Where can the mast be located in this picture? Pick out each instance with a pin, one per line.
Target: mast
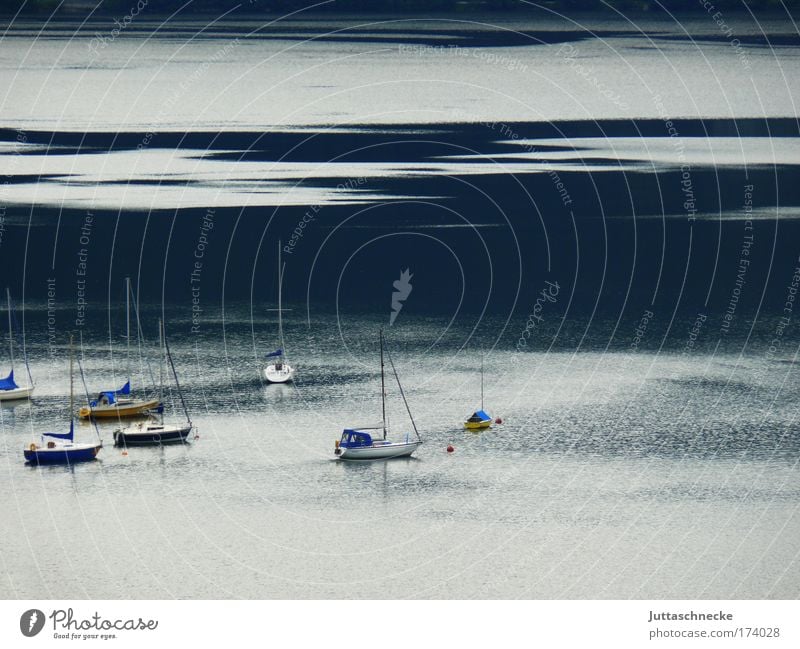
(481, 382)
(10, 329)
(403, 394)
(140, 336)
(71, 386)
(177, 383)
(383, 388)
(128, 318)
(86, 389)
(280, 300)
(161, 368)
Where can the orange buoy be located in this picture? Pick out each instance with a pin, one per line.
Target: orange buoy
(450, 448)
(124, 452)
(499, 420)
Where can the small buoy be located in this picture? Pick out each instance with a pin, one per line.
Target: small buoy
(124, 452)
(450, 448)
(499, 420)
(197, 436)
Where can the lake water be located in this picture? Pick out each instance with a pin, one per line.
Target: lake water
(649, 447)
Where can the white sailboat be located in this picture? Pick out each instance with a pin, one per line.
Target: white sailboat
(356, 444)
(9, 389)
(156, 431)
(279, 371)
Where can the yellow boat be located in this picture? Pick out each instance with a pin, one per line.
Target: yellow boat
(478, 420)
(116, 404)
(108, 405)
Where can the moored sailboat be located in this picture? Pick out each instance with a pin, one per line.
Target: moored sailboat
(356, 444)
(279, 371)
(60, 448)
(9, 389)
(112, 404)
(117, 404)
(479, 419)
(158, 432)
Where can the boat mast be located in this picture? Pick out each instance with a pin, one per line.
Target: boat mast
(161, 339)
(403, 394)
(280, 300)
(140, 335)
(383, 388)
(128, 318)
(481, 382)
(86, 388)
(10, 330)
(71, 386)
(177, 383)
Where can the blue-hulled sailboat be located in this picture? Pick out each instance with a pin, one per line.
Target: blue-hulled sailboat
(356, 444)
(9, 389)
(60, 448)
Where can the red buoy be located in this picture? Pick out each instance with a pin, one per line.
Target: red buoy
(450, 448)
(499, 420)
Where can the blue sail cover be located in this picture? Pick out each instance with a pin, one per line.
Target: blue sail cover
(482, 414)
(277, 352)
(108, 400)
(110, 395)
(67, 436)
(8, 383)
(354, 438)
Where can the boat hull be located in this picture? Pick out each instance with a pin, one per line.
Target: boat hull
(16, 394)
(151, 435)
(66, 454)
(379, 451)
(478, 425)
(131, 409)
(283, 375)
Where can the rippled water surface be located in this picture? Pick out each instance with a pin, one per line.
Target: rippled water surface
(614, 474)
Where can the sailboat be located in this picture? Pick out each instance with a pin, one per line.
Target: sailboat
(355, 444)
(479, 419)
(118, 403)
(279, 371)
(9, 389)
(156, 431)
(60, 448)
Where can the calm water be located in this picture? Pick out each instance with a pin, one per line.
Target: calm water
(631, 464)
(615, 474)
